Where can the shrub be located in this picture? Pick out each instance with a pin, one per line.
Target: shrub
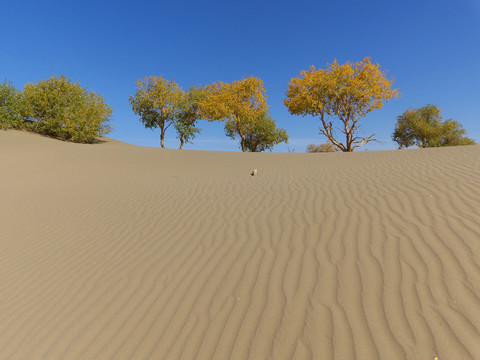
(325, 147)
(63, 109)
(12, 107)
(424, 127)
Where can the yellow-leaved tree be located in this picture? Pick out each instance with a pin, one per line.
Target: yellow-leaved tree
(347, 92)
(241, 101)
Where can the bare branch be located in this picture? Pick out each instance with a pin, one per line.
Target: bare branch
(363, 141)
(327, 131)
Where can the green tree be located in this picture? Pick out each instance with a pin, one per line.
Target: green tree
(239, 102)
(347, 92)
(65, 110)
(12, 107)
(259, 133)
(157, 101)
(424, 128)
(188, 114)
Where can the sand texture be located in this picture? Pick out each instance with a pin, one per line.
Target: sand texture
(112, 251)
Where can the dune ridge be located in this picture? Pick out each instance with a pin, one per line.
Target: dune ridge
(112, 251)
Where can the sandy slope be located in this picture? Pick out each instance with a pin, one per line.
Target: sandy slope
(112, 251)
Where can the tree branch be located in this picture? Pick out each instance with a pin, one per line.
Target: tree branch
(327, 131)
(363, 141)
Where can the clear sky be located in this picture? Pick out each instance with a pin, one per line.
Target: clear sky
(431, 48)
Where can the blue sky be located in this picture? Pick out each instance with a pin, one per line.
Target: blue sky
(431, 48)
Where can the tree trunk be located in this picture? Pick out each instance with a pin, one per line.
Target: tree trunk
(349, 136)
(349, 147)
(242, 137)
(181, 142)
(162, 138)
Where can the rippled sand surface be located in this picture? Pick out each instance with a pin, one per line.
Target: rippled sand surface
(111, 251)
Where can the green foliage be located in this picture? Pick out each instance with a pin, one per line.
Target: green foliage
(259, 133)
(12, 107)
(322, 148)
(65, 110)
(424, 128)
(188, 114)
(157, 101)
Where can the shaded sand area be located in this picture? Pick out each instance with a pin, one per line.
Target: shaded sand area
(112, 251)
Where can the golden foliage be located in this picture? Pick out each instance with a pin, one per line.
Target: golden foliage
(242, 99)
(348, 92)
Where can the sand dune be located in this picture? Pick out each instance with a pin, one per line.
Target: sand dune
(112, 251)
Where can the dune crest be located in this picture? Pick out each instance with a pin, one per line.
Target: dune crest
(112, 251)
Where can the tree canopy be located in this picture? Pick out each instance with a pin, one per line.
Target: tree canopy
(188, 113)
(63, 109)
(347, 92)
(424, 127)
(241, 102)
(157, 101)
(260, 133)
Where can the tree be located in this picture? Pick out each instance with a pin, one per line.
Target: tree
(12, 107)
(424, 128)
(347, 92)
(240, 102)
(188, 114)
(63, 109)
(325, 147)
(156, 102)
(260, 133)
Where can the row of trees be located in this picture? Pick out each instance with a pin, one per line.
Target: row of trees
(161, 103)
(344, 92)
(62, 109)
(55, 107)
(340, 95)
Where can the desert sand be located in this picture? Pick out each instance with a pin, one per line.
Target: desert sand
(113, 251)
